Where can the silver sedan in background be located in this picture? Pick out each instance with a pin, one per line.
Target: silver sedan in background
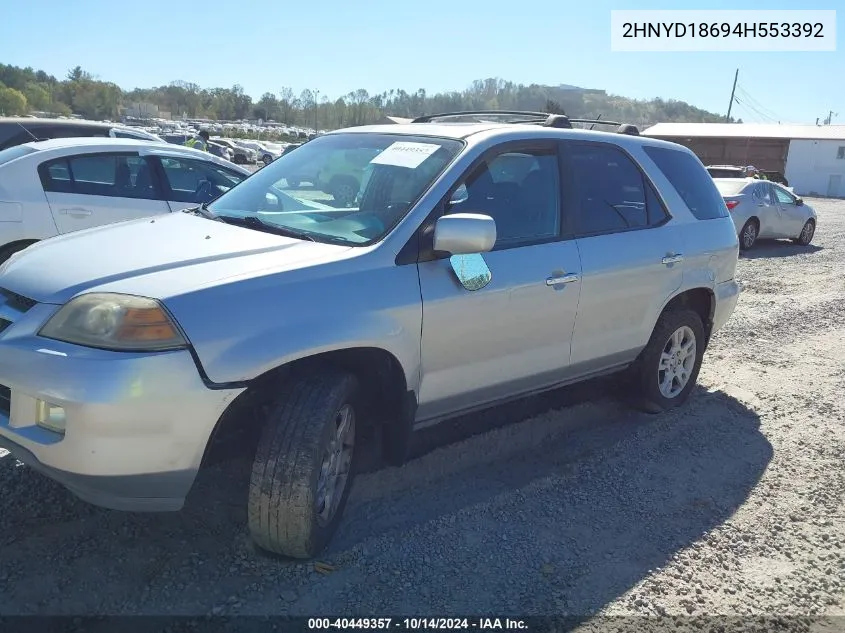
(766, 210)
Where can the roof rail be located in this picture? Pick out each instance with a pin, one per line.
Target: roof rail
(526, 116)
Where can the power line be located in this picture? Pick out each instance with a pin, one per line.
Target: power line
(757, 104)
(764, 110)
(750, 108)
(746, 113)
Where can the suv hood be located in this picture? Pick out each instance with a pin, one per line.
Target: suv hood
(157, 257)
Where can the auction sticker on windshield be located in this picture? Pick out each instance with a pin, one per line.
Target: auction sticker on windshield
(405, 154)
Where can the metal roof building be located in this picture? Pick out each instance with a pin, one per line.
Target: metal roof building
(812, 157)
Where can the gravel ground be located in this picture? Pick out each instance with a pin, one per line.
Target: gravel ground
(568, 504)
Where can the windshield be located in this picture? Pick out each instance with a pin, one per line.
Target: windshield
(346, 188)
(730, 187)
(8, 155)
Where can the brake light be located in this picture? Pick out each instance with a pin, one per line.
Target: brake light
(731, 204)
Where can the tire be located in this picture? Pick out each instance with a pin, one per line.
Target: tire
(807, 233)
(239, 159)
(266, 159)
(646, 374)
(748, 234)
(7, 251)
(284, 503)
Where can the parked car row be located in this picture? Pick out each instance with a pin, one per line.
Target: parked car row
(127, 352)
(18, 130)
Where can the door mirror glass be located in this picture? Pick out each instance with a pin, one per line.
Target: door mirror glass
(464, 234)
(461, 195)
(799, 201)
(471, 270)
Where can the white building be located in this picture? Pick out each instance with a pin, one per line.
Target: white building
(812, 157)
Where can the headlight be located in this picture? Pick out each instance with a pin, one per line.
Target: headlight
(115, 322)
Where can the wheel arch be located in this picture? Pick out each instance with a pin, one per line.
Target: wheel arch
(389, 404)
(8, 249)
(700, 299)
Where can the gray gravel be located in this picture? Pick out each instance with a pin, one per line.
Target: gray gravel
(569, 504)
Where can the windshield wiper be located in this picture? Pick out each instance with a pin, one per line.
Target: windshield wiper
(252, 222)
(203, 211)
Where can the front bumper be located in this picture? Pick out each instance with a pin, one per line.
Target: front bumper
(136, 425)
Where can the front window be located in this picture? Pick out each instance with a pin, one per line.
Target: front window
(346, 188)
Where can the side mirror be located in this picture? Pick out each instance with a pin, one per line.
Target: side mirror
(465, 233)
(799, 201)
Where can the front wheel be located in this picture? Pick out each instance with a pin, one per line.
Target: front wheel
(666, 371)
(806, 233)
(304, 465)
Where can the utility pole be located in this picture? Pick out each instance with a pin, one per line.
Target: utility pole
(733, 91)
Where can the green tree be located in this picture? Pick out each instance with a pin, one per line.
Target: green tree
(12, 102)
(37, 96)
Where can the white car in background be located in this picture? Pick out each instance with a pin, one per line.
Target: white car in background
(766, 210)
(53, 187)
(266, 152)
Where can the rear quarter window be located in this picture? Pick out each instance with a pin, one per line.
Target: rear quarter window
(690, 180)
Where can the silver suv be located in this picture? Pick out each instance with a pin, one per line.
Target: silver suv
(484, 260)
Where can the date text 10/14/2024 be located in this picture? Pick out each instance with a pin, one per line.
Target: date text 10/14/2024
(417, 624)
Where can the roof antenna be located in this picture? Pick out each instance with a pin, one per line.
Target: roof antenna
(594, 125)
(34, 138)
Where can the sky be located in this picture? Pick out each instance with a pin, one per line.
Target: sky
(336, 46)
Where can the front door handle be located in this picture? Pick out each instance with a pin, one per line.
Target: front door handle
(564, 279)
(673, 259)
(77, 212)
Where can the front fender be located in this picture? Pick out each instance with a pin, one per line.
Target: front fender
(255, 326)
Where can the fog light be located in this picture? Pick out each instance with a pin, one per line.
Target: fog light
(50, 416)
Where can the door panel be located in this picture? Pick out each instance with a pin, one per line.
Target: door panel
(513, 335)
(624, 283)
(89, 190)
(793, 216)
(631, 256)
(772, 223)
(74, 212)
(509, 337)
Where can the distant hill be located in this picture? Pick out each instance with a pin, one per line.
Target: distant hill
(24, 90)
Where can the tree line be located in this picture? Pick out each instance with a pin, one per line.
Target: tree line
(24, 90)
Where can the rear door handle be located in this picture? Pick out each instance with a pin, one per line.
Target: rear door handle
(559, 281)
(673, 259)
(77, 212)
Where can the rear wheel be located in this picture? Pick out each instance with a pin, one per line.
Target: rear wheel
(806, 233)
(748, 234)
(304, 465)
(666, 371)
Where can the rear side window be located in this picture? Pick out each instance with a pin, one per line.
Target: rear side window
(612, 194)
(690, 180)
(8, 155)
(111, 175)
